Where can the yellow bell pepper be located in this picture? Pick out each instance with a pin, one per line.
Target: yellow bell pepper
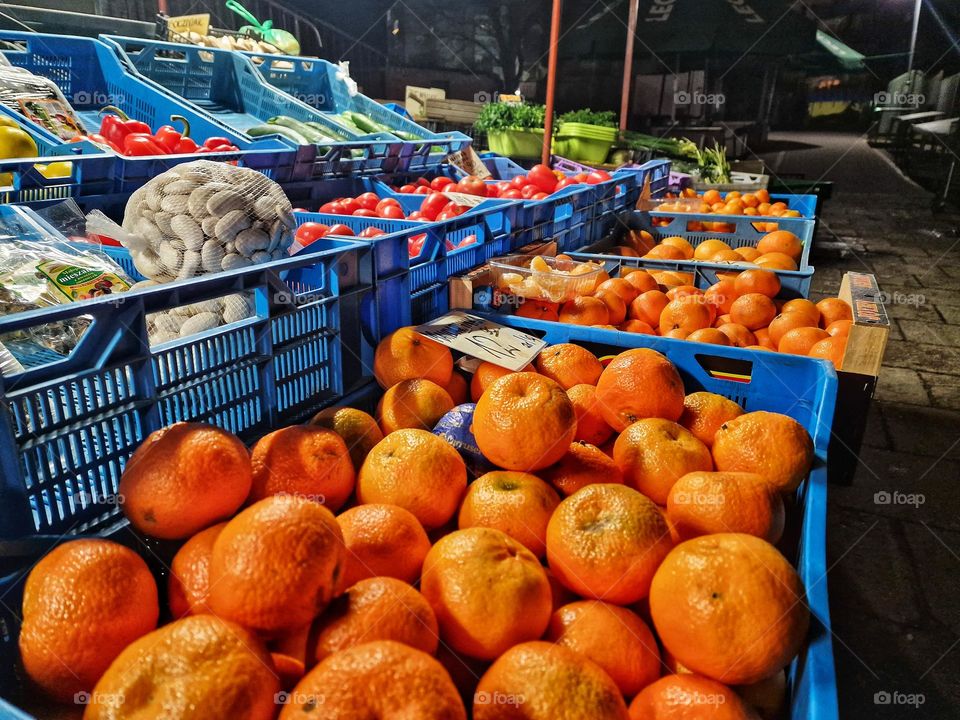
(55, 169)
(14, 143)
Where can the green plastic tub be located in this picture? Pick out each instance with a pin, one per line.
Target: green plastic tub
(584, 143)
(525, 143)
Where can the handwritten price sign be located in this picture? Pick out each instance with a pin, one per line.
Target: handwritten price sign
(484, 340)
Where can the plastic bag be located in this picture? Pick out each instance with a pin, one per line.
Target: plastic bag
(40, 100)
(205, 217)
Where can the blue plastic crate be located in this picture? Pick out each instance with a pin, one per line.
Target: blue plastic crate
(227, 86)
(315, 82)
(90, 74)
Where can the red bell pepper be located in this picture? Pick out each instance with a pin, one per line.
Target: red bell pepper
(116, 125)
(140, 144)
(97, 139)
(216, 142)
(186, 145)
(169, 137)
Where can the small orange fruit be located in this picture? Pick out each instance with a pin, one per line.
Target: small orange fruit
(730, 607)
(376, 608)
(416, 470)
(636, 326)
(775, 261)
(711, 336)
(708, 248)
(606, 541)
(750, 254)
(686, 313)
(376, 679)
(648, 306)
(737, 334)
(621, 287)
(753, 311)
(721, 295)
(516, 503)
(303, 460)
(83, 603)
(416, 403)
(832, 349)
(676, 697)
(457, 389)
(489, 592)
(485, 374)
(785, 322)
(201, 667)
(723, 320)
(554, 682)
(801, 340)
(616, 307)
(678, 242)
(773, 445)
(781, 241)
(584, 464)
(833, 309)
(539, 310)
(640, 279)
(683, 291)
(665, 252)
(705, 412)
(802, 305)
(615, 638)
(757, 281)
(585, 311)
(591, 427)
(763, 339)
(183, 478)
(276, 564)
(524, 421)
(359, 430)
(382, 540)
(568, 365)
(405, 354)
(653, 454)
(189, 583)
(726, 256)
(701, 503)
(712, 197)
(839, 328)
(639, 383)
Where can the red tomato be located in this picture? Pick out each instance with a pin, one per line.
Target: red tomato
(368, 200)
(540, 196)
(310, 231)
(519, 182)
(350, 206)
(468, 240)
(422, 181)
(363, 212)
(327, 208)
(383, 203)
(512, 194)
(493, 191)
(543, 178)
(371, 232)
(392, 212)
(434, 204)
(423, 190)
(472, 186)
(580, 177)
(503, 186)
(300, 210)
(440, 183)
(566, 182)
(340, 229)
(417, 215)
(597, 177)
(529, 191)
(408, 189)
(339, 208)
(415, 245)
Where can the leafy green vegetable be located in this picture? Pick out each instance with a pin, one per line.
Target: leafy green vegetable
(671, 147)
(507, 116)
(604, 118)
(713, 164)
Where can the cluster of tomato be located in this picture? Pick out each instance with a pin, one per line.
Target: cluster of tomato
(538, 184)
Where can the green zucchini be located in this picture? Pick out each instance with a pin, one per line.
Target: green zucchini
(308, 132)
(261, 130)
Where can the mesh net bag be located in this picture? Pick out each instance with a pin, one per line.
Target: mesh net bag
(205, 217)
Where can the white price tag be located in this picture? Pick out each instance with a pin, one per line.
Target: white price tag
(483, 339)
(465, 199)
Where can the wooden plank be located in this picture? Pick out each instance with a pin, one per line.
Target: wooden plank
(415, 99)
(871, 327)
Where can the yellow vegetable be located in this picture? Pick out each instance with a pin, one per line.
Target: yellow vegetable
(55, 169)
(15, 143)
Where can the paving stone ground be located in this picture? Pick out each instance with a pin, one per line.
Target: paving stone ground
(893, 543)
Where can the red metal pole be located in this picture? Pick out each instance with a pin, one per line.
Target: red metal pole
(162, 7)
(551, 79)
(628, 65)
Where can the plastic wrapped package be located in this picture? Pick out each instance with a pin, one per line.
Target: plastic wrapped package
(205, 217)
